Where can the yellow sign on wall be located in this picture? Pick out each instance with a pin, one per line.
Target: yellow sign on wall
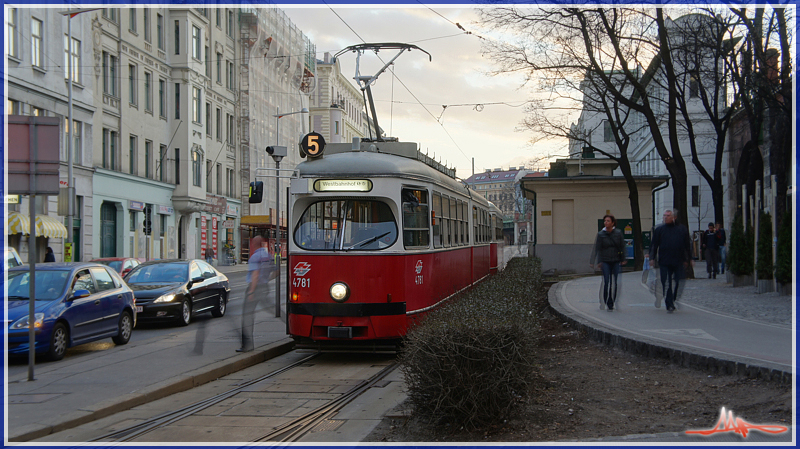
(546, 213)
(67, 252)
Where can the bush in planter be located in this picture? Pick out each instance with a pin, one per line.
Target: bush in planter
(471, 363)
(764, 266)
(783, 267)
(740, 251)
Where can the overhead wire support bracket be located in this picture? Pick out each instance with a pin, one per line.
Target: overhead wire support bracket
(366, 81)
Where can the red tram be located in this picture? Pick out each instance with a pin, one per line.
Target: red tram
(381, 234)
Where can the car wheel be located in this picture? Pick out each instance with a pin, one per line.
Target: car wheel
(125, 329)
(186, 313)
(222, 306)
(58, 342)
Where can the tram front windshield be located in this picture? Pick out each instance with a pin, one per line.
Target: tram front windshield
(346, 225)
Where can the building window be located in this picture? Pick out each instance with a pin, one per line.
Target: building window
(162, 226)
(148, 91)
(148, 159)
(162, 98)
(336, 127)
(219, 124)
(208, 62)
(109, 74)
(208, 176)
(109, 149)
(146, 21)
(219, 179)
(177, 100)
(230, 182)
(110, 14)
(76, 139)
(196, 44)
(12, 28)
(177, 37)
(36, 43)
(132, 24)
(177, 166)
(132, 97)
(13, 107)
(160, 31)
(196, 104)
(694, 85)
(132, 155)
(695, 196)
(162, 153)
(608, 133)
(230, 23)
(219, 17)
(219, 68)
(230, 128)
(75, 54)
(197, 168)
(231, 80)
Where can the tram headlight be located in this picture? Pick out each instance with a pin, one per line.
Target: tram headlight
(340, 292)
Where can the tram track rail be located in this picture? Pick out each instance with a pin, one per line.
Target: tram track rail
(288, 432)
(132, 432)
(292, 431)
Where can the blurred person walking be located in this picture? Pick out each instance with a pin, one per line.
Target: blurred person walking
(48, 255)
(671, 247)
(260, 270)
(723, 240)
(608, 255)
(711, 250)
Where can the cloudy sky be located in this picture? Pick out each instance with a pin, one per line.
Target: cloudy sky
(455, 77)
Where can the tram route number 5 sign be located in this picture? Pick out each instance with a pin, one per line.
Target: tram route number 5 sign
(312, 145)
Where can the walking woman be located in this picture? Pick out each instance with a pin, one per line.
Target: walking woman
(608, 255)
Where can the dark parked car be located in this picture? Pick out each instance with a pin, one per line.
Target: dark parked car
(122, 264)
(76, 303)
(178, 289)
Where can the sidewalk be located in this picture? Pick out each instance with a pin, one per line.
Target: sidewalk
(716, 327)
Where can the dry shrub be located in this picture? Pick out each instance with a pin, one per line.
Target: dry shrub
(470, 363)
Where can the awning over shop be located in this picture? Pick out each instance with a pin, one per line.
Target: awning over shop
(18, 223)
(50, 227)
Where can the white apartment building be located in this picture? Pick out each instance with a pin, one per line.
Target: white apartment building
(337, 105)
(165, 119)
(277, 75)
(37, 51)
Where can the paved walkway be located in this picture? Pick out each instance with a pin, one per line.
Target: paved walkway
(717, 327)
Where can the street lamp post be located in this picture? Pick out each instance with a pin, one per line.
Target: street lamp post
(277, 158)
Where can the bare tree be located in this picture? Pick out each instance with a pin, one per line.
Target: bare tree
(762, 70)
(561, 47)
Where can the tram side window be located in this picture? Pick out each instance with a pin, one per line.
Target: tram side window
(498, 228)
(446, 242)
(454, 222)
(475, 236)
(437, 220)
(416, 231)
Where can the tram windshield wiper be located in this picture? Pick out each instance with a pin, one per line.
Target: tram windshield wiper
(367, 241)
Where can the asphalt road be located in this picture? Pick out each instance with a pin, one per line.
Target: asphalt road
(152, 332)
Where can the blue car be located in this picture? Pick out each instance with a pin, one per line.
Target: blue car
(76, 303)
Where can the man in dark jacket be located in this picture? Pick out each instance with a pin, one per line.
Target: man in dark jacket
(711, 250)
(722, 238)
(671, 246)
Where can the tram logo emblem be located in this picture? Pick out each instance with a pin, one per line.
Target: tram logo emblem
(302, 268)
(418, 267)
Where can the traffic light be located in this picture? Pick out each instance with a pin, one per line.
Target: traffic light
(256, 192)
(147, 220)
(277, 151)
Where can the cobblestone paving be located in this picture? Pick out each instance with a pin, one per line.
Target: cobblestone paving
(719, 296)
